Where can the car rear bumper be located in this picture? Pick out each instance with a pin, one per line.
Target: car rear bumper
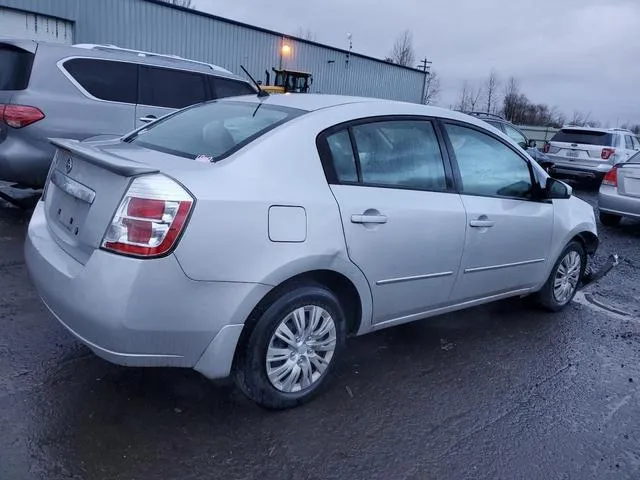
(23, 162)
(562, 168)
(140, 312)
(610, 201)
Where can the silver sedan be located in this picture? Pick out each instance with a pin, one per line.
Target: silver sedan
(250, 236)
(619, 194)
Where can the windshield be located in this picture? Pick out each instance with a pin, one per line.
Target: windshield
(213, 130)
(584, 137)
(15, 68)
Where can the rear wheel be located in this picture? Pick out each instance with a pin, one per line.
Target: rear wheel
(293, 348)
(565, 276)
(609, 219)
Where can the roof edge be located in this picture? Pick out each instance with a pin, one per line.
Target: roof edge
(279, 34)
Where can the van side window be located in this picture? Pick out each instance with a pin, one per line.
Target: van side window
(225, 87)
(164, 87)
(105, 79)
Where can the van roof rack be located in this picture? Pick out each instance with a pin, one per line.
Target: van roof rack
(142, 53)
(485, 114)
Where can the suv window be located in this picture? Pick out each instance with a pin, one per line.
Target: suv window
(15, 67)
(487, 166)
(105, 79)
(226, 87)
(497, 125)
(163, 87)
(628, 142)
(515, 135)
(585, 137)
(212, 130)
(636, 143)
(400, 154)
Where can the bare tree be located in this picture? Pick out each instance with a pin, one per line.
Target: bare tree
(431, 88)
(463, 98)
(402, 52)
(491, 91)
(475, 97)
(181, 3)
(511, 99)
(306, 34)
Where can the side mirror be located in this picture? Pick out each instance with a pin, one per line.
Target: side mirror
(557, 189)
(532, 143)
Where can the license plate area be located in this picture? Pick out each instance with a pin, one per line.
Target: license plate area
(573, 154)
(632, 186)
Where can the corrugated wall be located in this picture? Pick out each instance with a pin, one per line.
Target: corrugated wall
(146, 25)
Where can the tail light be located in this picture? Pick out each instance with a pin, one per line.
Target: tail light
(150, 218)
(607, 153)
(18, 116)
(546, 147)
(611, 178)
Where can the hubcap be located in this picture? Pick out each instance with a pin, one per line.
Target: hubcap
(301, 349)
(567, 277)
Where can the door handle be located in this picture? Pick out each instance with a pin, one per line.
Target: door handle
(148, 118)
(379, 219)
(481, 223)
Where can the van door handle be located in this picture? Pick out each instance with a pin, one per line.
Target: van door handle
(379, 219)
(148, 118)
(481, 223)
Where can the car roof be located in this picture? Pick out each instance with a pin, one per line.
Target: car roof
(316, 101)
(113, 52)
(597, 130)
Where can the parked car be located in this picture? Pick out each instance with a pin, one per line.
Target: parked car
(250, 236)
(582, 153)
(517, 136)
(619, 194)
(81, 91)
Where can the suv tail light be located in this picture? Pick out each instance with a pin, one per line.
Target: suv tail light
(18, 116)
(611, 178)
(150, 218)
(546, 147)
(607, 153)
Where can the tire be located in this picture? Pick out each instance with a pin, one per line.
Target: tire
(609, 219)
(251, 373)
(552, 299)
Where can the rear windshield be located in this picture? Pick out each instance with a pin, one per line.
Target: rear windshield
(15, 68)
(584, 137)
(213, 130)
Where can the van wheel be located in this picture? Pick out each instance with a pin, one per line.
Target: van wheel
(293, 348)
(564, 279)
(610, 220)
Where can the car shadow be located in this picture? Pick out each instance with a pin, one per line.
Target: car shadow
(98, 417)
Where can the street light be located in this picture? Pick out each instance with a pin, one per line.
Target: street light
(286, 50)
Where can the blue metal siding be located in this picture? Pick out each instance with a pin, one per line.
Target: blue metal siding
(146, 25)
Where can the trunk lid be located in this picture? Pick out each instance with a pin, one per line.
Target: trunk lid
(85, 186)
(629, 180)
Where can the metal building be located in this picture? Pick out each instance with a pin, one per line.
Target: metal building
(153, 25)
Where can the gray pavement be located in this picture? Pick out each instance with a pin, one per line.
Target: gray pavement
(499, 392)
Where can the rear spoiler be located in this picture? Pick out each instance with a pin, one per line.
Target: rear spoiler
(108, 161)
(28, 45)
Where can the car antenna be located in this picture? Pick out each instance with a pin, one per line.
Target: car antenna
(261, 92)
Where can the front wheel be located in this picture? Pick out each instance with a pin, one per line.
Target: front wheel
(293, 348)
(565, 276)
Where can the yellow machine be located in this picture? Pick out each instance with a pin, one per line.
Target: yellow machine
(286, 81)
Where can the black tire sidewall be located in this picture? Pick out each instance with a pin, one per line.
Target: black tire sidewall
(546, 297)
(252, 373)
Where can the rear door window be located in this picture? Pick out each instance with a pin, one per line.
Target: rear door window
(584, 137)
(163, 87)
(213, 130)
(15, 67)
(105, 79)
(515, 135)
(226, 87)
(636, 143)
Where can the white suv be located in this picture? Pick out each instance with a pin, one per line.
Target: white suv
(589, 153)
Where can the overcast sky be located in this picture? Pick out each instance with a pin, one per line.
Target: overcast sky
(575, 54)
